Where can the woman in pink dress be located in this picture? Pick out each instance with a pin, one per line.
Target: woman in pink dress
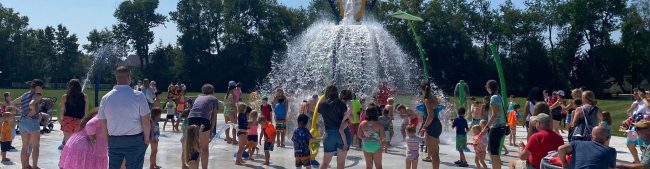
(87, 148)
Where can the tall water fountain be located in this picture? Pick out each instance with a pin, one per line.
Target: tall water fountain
(363, 53)
(356, 50)
(107, 53)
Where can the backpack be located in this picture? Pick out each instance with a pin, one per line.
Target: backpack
(583, 132)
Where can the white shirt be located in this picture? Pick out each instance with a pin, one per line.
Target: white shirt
(641, 108)
(644, 111)
(123, 109)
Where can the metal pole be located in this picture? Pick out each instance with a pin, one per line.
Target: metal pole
(98, 77)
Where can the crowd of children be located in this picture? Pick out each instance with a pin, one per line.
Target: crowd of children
(374, 130)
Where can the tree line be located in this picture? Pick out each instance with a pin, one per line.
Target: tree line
(552, 44)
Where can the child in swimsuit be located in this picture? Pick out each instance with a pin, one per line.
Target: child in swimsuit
(229, 104)
(191, 150)
(280, 111)
(155, 117)
(479, 147)
(268, 134)
(385, 121)
(412, 153)
(372, 135)
(242, 132)
(252, 134)
(301, 137)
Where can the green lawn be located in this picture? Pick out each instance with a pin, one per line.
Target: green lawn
(91, 94)
(617, 106)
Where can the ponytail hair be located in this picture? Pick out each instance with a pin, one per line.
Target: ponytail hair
(426, 90)
(492, 86)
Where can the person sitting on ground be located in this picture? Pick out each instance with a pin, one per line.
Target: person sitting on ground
(590, 154)
(539, 144)
(45, 118)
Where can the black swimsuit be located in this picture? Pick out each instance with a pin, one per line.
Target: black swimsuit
(435, 128)
(194, 156)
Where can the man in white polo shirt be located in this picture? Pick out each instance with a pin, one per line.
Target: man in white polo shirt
(125, 115)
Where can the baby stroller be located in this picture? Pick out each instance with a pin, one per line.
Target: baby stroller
(46, 118)
(46, 103)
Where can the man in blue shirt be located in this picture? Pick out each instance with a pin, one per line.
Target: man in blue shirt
(590, 154)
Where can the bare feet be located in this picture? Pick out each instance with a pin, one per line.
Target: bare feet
(227, 140)
(240, 162)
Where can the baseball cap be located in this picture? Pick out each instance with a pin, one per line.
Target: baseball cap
(232, 83)
(560, 92)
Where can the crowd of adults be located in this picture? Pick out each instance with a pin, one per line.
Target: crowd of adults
(118, 132)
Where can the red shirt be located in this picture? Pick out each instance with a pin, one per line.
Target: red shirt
(414, 122)
(382, 96)
(266, 111)
(552, 100)
(540, 143)
(269, 131)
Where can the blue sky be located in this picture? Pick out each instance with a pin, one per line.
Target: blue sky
(82, 16)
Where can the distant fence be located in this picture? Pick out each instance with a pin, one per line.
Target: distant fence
(61, 85)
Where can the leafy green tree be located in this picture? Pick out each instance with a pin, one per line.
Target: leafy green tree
(12, 28)
(201, 24)
(68, 58)
(635, 39)
(163, 64)
(135, 20)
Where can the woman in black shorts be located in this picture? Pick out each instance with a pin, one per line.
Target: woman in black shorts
(496, 124)
(432, 125)
(204, 113)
